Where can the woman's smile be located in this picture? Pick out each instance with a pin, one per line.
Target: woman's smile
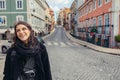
(23, 33)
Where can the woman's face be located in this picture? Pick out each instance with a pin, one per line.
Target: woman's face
(23, 33)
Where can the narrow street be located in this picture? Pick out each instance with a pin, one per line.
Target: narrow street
(82, 38)
(71, 61)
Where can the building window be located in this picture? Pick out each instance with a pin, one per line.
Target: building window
(94, 4)
(94, 22)
(2, 4)
(19, 4)
(99, 2)
(3, 20)
(90, 7)
(19, 18)
(100, 24)
(107, 23)
(107, 0)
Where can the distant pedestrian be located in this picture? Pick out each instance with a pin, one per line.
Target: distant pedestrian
(27, 59)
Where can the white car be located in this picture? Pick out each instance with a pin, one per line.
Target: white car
(5, 45)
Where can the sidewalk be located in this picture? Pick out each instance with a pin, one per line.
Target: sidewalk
(89, 45)
(94, 47)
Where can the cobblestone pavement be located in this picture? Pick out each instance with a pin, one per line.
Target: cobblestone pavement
(81, 63)
(2, 60)
(70, 62)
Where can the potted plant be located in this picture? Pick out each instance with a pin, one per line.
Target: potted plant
(117, 39)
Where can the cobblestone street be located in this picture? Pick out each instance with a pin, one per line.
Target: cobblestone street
(71, 61)
(80, 64)
(2, 59)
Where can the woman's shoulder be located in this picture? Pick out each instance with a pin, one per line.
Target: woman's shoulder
(42, 46)
(10, 50)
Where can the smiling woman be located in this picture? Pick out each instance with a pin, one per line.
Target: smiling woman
(27, 59)
(23, 33)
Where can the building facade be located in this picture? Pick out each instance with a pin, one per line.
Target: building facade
(31, 11)
(74, 16)
(36, 14)
(73, 19)
(63, 17)
(52, 20)
(47, 18)
(99, 21)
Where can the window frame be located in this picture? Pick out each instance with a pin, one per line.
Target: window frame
(99, 24)
(99, 3)
(106, 1)
(3, 6)
(18, 6)
(5, 18)
(107, 23)
(94, 4)
(21, 18)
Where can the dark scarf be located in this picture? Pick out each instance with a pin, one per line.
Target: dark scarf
(29, 49)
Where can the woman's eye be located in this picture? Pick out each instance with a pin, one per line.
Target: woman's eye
(24, 29)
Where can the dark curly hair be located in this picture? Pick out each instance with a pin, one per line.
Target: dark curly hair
(15, 38)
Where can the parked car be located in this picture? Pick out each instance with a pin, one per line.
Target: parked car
(5, 45)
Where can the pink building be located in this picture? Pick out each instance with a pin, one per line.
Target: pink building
(101, 17)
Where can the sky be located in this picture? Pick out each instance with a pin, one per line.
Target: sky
(56, 5)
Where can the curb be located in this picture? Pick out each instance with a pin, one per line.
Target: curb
(94, 47)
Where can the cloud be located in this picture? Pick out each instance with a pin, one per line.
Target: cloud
(66, 2)
(55, 8)
(61, 1)
(58, 1)
(58, 4)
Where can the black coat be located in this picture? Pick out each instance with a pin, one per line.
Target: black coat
(13, 65)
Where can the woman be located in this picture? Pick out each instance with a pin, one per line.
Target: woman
(27, 59)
